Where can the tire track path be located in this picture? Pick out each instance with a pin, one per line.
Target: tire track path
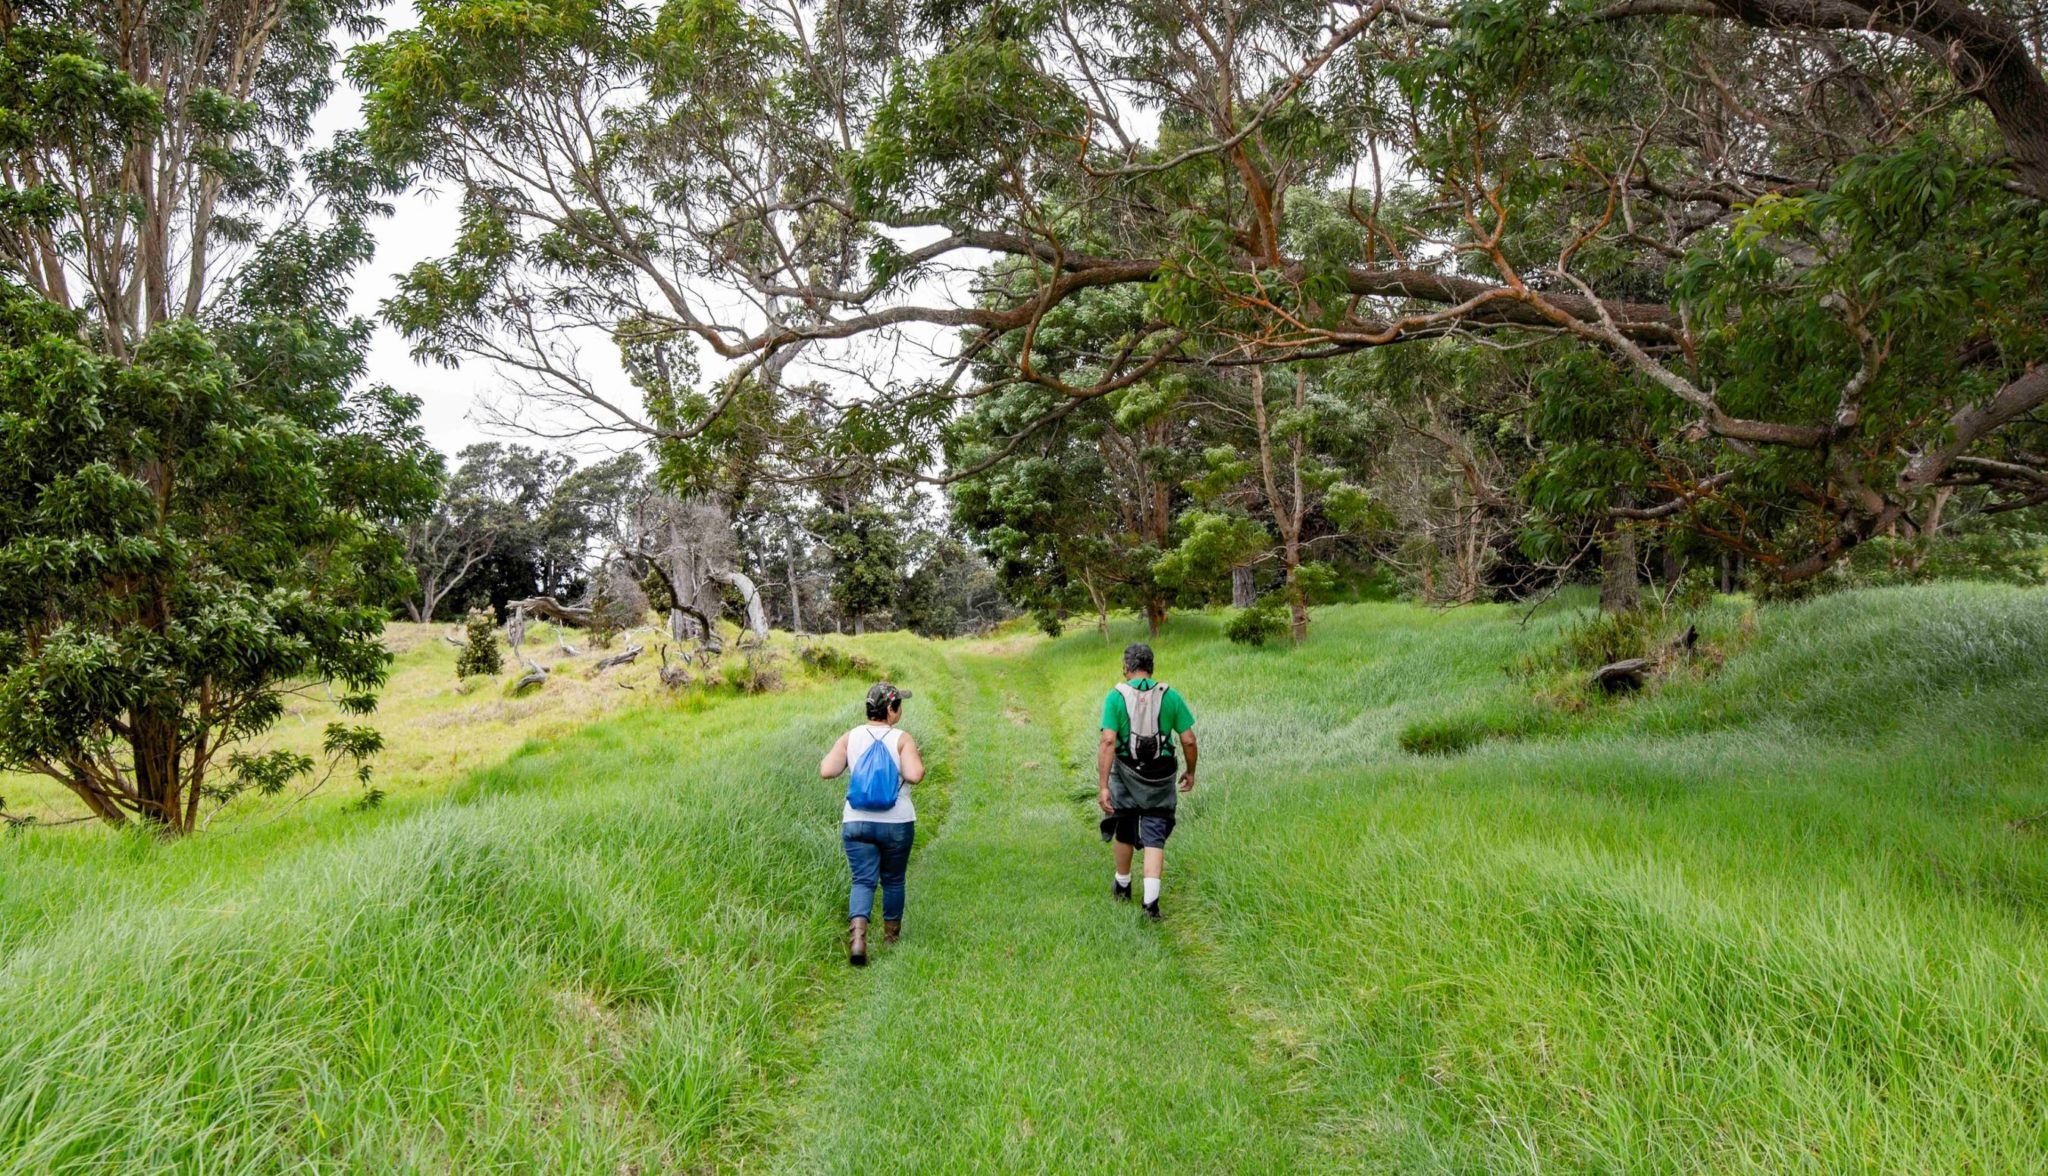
(1026, 1023)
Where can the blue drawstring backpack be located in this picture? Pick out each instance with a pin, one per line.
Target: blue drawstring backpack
(875, 780)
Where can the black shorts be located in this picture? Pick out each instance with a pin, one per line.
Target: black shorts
(1145, 827)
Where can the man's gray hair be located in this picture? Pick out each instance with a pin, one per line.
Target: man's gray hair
(1137, 656)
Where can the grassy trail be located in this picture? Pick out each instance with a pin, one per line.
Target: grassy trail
(1791, 918)
(1024, 1023)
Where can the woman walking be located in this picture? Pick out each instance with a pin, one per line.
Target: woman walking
(879, 823)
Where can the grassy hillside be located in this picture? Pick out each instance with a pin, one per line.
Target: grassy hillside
(1785, 918)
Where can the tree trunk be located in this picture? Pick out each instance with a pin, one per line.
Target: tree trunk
(1619, 590)
(1468, 552)
(757, 618)
(1243, 590)
(1297, 600)
(796, 603)
(1101, 606)
(154, 744)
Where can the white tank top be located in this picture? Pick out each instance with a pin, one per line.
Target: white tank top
(857, 741)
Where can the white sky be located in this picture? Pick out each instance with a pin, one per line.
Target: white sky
(454, 401)
(422, 227)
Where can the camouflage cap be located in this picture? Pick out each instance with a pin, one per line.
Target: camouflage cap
(882, 693)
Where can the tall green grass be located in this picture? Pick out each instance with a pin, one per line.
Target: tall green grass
(1786, 917)
(595, 957)
(1774, 921)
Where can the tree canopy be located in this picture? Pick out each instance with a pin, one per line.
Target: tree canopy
(1806, 240)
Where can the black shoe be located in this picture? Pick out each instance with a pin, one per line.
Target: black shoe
(1152, 911)
(1120, 891)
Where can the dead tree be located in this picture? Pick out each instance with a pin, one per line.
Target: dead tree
(689, 545)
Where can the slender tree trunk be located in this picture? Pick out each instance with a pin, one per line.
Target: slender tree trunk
(1101, 605)
(796, 604)
(1287, 509)
(1297, 598)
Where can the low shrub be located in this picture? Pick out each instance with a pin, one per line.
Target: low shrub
(480, 655)
(834, 662)
(753, 673)
(1264, 621)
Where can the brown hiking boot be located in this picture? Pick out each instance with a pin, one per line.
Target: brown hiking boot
(892, 930)
(857, 944)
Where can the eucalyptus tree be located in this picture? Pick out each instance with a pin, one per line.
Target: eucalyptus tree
(1813, 229)
(148, 149)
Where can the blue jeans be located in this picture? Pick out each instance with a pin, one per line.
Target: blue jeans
(877, 852)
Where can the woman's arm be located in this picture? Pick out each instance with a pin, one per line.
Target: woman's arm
(834, 761)
(912, 762)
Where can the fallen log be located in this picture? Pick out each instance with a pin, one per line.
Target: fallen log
(536, 675)
(549, 609)
(1624, 675)
(623, 657)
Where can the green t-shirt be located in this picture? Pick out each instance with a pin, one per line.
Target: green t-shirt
(1174, 715)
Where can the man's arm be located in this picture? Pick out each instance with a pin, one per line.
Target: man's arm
(834, 761)
(910, 761)
(1188, 748)
(1104, 756)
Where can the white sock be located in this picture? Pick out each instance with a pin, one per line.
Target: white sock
(1151, 890)
(1123, 879)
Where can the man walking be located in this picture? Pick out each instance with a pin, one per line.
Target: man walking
(1136, 765)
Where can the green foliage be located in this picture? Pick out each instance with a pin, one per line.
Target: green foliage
(480, 656)
(1265, 620)
(952, 591)
(865, 544)
(1211, 544)
(1995, 549)
(836, 661)
(174, 553)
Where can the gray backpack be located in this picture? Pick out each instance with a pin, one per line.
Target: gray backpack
(1148, 750)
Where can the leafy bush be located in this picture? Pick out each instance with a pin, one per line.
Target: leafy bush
(1265, 620)
(480, 656)
(834, 662)
(1650, 631)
